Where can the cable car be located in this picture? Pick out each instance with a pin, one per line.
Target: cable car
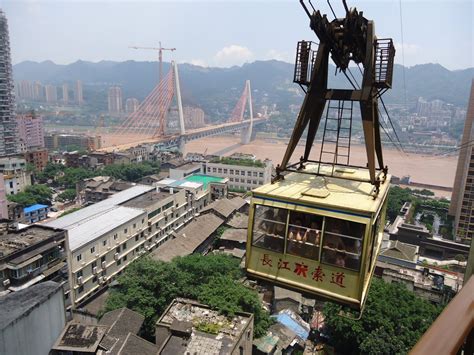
(318, 226)
(319, 235)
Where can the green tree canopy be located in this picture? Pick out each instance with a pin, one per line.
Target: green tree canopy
(32, 195)
(148, 286)
(67, 195)
(392, 322)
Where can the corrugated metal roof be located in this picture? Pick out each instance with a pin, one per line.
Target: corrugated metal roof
(85, 231)
(33, 208)
(101, 207)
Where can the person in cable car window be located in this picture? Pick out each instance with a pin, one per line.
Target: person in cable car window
(296, 232)
(313, 234)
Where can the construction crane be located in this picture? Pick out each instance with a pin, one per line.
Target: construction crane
(160, 50)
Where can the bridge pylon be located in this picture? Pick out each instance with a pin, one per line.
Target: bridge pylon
(247, 134)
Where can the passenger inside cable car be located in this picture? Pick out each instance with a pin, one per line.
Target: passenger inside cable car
(338, 243)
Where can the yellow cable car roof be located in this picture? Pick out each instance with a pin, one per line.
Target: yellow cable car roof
(328, 191)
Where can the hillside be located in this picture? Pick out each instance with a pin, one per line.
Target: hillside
(271, 81)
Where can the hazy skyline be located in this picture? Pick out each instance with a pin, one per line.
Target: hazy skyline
(225, 33)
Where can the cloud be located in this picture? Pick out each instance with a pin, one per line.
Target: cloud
(233, 55)
(408, 48)
(198, 62)
(277, 55)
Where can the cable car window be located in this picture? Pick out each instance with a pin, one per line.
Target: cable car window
(342, 243)
(304, 235)
(269, 228)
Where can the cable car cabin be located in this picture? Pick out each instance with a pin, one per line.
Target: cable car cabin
(318, 235)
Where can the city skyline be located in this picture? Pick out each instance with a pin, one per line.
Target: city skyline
(248, 35)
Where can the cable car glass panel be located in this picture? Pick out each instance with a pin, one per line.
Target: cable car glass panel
(269, 228)
(342, 243)
(304, 235)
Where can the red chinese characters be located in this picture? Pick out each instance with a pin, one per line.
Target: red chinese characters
(338, 279)
(266, 260)
(283, 264)
(318, 274)
(301, 269)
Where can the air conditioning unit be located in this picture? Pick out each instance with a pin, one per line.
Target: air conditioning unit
(94, 270)
(79, 280)
(101, 280)
(116, 256)
(6, 282)
(97, 255)
(104, 264)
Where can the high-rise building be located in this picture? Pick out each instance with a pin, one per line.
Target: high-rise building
(115, 99)
(38, 91)
(25, 89)
(462, 201)
(51, 93)
(30, 130)
(8, 129)
(131, 105)
(78, 93)
(65, 93)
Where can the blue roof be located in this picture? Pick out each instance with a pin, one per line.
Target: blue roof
(33, 208)
(289, 322)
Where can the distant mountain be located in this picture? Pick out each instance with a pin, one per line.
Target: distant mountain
(271, 81)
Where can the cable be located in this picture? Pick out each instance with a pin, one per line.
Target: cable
(390, 120)
(403, 56)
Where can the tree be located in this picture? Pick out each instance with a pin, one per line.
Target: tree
(32, 195)
(148, 286)
(392, 322)
(67, 195)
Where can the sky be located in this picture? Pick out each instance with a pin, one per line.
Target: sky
(226, 32)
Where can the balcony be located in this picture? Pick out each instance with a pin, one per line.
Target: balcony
(453, 331)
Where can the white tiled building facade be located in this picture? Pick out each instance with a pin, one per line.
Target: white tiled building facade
(241, 177)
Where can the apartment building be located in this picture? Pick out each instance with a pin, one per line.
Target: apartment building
(108, 235)
(38, 158)
(35, 213)
(30, 130)
(31, 255)
(15, 176)
(243, 175)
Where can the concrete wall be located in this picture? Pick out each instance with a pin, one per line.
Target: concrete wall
(36, 332)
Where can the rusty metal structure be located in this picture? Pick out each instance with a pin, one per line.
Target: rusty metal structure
(346, 40)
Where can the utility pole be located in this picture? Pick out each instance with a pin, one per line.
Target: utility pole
(160, 50)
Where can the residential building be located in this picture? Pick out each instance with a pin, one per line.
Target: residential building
(51, 93)
(185, 170)
(35, 213)
(38, 158)
(3, 200)
(16, 213)
(132, 222)
(193, 117)
(30, 255)
(115, 100)
(398, 253)
(115, 333)
(65, 94)
(99, 188)
(462, 201)
(30, 130)
(178, 330)
(54, 141)
(32, 319)
(38, 91)
(16, 177)
(25, 90)
(78, 96)
(243, 175)
(131, 105)
(8, 129)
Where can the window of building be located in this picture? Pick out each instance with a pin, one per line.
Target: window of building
(93, 250)
(80, 289)
(260, 175)
(208, 170)
(249, 181)
(125, 258)
(255, 174)
(79, 257)
(79, 274)
(254, 182)
(125, 231)
(94, 279)
(117, 250)
(225, 171)
(119, 261)
(124, 246)
(219, 170)
(213, 170)
(93, 265)
(136, 237)
(134, 225)
(104, 242)
(143, 220)
(115, 236)
(242, 173)
(231, 171)
(249, 173)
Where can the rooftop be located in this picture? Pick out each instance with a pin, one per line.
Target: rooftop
(239, 221)
(18, 304)
(325, 191)
(189, 238)
(399, 250)
(212, 333)
(226, 207)
(80, 337)
(147, 199)
(33, 208)
(235, 235)
(85, 231)
(203, 179)
(16, 240)
(86, 213)
(189, 166)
